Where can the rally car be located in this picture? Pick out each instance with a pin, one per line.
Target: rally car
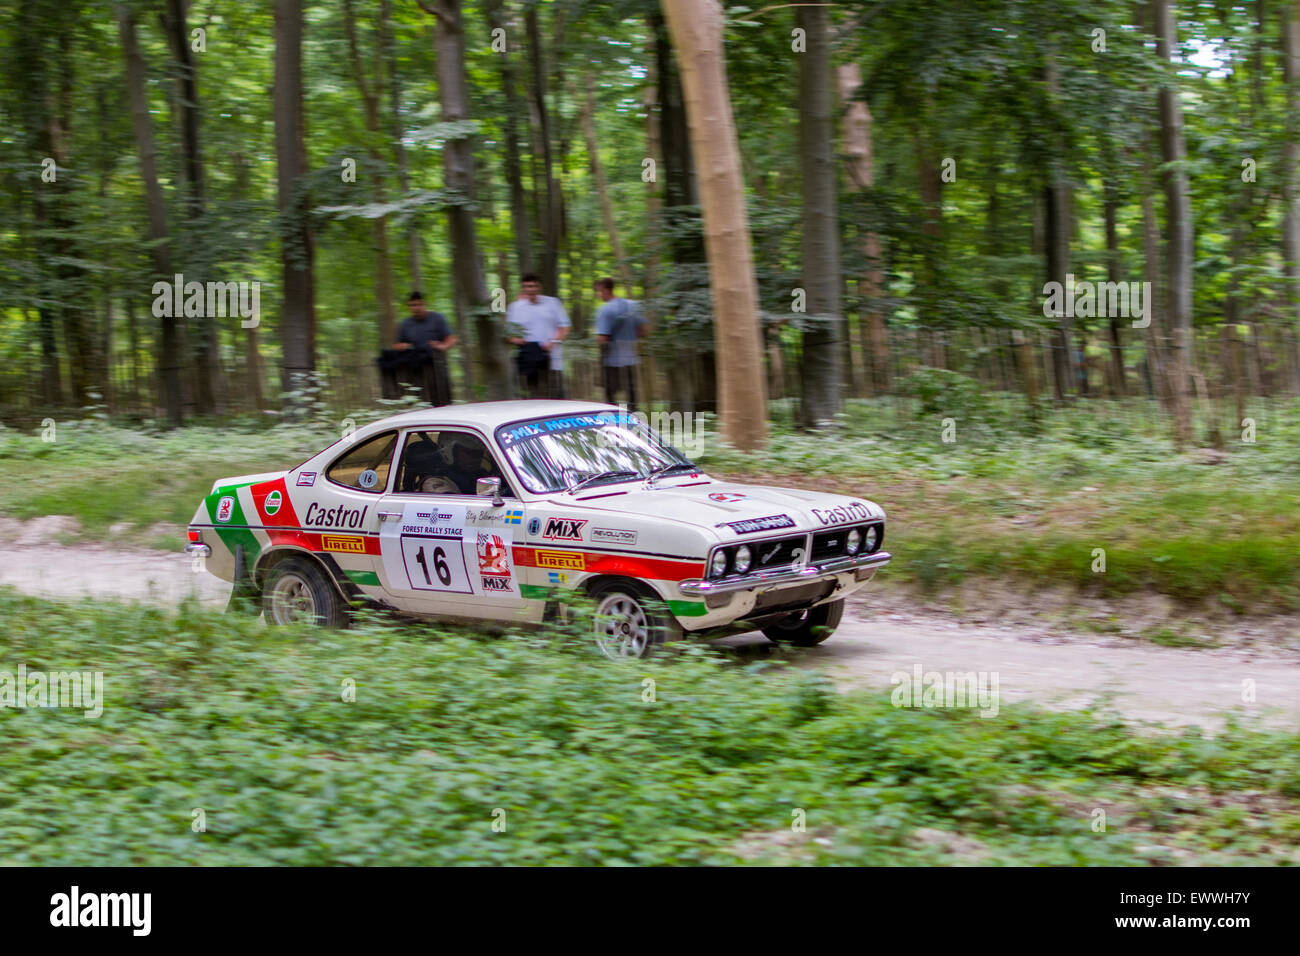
(500, 510)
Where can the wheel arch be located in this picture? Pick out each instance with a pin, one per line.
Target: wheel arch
(596, 581)
(273, 556)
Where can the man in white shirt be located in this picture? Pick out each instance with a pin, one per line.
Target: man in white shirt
(540, 324)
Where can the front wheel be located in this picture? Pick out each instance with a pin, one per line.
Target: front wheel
(806, 628)
(296, 589)
(631, 621)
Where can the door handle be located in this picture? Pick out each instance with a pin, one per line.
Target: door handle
(385, 515)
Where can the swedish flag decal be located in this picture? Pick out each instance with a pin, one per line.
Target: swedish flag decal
(514, 516)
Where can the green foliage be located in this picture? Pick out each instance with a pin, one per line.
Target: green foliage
(248, 724)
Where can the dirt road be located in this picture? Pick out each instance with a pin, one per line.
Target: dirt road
(876, 643)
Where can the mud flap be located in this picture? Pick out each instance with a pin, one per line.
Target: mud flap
(243, 596)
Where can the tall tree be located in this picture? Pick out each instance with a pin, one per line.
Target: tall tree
(458, 160)
(696, 27)
(371, 97)
(298, 313)
(1178, 222)
(859, 163)
(175, 25)
(1291, 158)
(549, 188)
(821, 358)
(520, 224)
(169, 340)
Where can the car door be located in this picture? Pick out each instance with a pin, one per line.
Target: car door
(335, 512)
(445, 550)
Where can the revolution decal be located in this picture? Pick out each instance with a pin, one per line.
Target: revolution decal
(613, 536)
(225, 508)
(307, 479)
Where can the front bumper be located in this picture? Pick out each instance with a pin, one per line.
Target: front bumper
(701, 587)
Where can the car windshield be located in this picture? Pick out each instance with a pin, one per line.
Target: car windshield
(556, 454)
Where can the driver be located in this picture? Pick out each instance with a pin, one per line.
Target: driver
(466, 467)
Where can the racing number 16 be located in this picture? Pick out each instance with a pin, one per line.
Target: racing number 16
(440, 567)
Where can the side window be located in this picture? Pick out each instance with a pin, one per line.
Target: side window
(366, 466)
(441, 462)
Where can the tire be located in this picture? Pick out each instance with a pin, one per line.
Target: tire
(631, 620)
(296, 589)
(806, 628)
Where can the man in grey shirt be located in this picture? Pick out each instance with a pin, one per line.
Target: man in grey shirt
(619, 323)
(428, 335)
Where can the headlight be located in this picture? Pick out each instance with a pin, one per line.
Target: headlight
(742, 559)
(854, 541)
(718, 567)
(873, 537)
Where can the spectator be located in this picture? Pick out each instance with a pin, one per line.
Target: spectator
(429, 336)
(540, 325)
(619, 323)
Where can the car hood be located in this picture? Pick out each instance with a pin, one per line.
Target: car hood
(716, 504)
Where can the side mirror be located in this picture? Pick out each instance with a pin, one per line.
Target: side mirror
(490, 488)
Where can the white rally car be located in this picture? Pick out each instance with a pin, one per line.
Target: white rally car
(496, 510)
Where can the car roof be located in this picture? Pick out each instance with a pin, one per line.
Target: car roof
(488, 415)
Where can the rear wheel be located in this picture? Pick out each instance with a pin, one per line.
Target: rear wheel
(806, 628)
(631, 620)
(296, 590)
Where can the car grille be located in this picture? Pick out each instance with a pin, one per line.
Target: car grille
(829, 544)
(777, 553)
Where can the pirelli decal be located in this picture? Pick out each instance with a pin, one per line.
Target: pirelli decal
(315, 541)
(344, 543)
(564, 560)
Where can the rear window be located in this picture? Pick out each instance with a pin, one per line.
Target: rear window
(365, 467)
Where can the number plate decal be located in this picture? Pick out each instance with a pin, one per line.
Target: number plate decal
(424, 551)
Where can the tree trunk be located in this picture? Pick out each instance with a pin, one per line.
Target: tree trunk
(602, 188)
(397, 129)
(371, 95)
(859, 162)
(520, 223)
(458, 159)
(1057, 247)
(550, 198)
(696, 29)
(175, 25)
(1111, 205)
(1291, 162)
(1178, 219)
(298, 313)
(820, 363)
(169, 344)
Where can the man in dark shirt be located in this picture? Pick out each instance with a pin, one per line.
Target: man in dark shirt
(429, 336)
